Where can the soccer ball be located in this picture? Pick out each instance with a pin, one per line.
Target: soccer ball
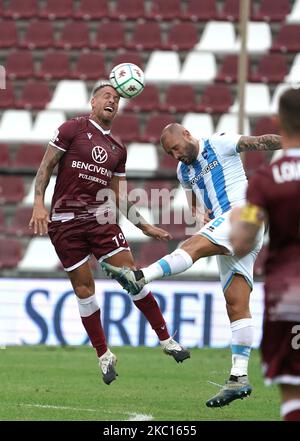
(128, 79)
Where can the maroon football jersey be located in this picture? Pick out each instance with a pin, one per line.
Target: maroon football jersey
(92, 156)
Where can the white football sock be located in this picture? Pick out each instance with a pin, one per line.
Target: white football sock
(242, 339)
(174, 263)
(87, 306)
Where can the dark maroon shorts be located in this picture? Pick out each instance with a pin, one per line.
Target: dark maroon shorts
(280, 350)
(76, 239)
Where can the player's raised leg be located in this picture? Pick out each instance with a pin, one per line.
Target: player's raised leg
(146, 303)
(84, 287)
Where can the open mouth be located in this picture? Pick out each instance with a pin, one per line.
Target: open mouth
(109, 109)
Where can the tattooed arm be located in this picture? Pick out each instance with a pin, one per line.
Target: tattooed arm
(40, 216)
(263, 142)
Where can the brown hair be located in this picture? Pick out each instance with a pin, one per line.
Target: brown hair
(289, 111)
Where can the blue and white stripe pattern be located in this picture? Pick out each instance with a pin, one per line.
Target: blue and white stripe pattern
(216, 176)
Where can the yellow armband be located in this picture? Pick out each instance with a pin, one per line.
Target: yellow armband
(252, 214)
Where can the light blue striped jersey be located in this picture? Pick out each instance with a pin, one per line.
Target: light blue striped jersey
(217, 175)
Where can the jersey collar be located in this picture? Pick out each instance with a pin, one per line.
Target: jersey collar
(105, 132)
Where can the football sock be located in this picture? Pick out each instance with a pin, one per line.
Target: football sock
(174, 263)
(290, 410)
(242, 338)
(149, 307)
(90, 316)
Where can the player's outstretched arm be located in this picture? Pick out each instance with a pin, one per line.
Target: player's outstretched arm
(259, 143)
(40, 216)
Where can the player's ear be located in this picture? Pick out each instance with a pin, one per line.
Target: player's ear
(93, 102)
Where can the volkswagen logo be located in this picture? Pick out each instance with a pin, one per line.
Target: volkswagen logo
(99, 154)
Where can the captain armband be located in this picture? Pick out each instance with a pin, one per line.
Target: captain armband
(252, 214)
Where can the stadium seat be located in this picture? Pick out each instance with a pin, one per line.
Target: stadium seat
(287, 39)
(272, 11)
(147, 101)
(216, 98)
(75, 35)
(7, 96)
(29, 197)
(70, 96)
(146, 37)
(10, 253)
(21, 9)
(157, 193)
(46, 122)
(228, 71)
(199, 124)
(126, 127)
(168, 163)
(231, 10)
(254, 160)
(90, 66)
(272, 68)
(154, 127)
(198, 67)
(11, 189)
(2, 219)
(149, 253)
(4, 155)
(279, 90)
(163, 67)
(259, 38)
(55, 65)
(136, 151)
(40, 255)
(229, 123)
(20, 221)
(29, 156)
(39, 35)
(92, 10)
(165, 10)
(8, 34)
(110, 35)
(55, 9)
(182, 37)
(294, 74)
(128, 57)
(254, 93)
(128, 10)
(264, 125)
(35, 95)
(19, 65)
(210, 38)
(180, 98)
(294, 15)
(10, 118)
(200, 11)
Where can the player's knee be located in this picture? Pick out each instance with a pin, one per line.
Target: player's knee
(84, 291)
(237, 311)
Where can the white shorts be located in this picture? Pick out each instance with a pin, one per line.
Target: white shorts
(218, 231)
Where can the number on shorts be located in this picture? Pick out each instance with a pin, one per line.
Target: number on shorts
(119, 238)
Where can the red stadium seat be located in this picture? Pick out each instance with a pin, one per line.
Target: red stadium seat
(146, 101)
(126, 127)
(128, 57)
(8, 34)
(200, 10)
(21, 9)
(168, 163)
(39, 35)
(151, 187)
(182, 37)
(176, 226)
(228, 72)
(54, 9)
(146, 36)
(35, 95)
(11, 189)
(265, 125)
(75, 35)
(231, 10)
(180, 98)
(2, 219)
(154, 127)
(110, 35)
(148, 253)
(54, 65)
(19, 64)
(216, 98)
(288, 39)
(29, 156)
(273, 11)
(92, 10)
(128, 10)
(4, 155)
(165, 10)
(10, 253)
(90, 66)
(19, 225)
(272, 68)
(7, 96)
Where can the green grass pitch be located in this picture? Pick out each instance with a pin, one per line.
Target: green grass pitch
(64, 384)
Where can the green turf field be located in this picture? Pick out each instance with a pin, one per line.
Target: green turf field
(54, 383)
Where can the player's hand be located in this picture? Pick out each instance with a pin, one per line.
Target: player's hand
(157, 233)
(39, 220)
(206, 217)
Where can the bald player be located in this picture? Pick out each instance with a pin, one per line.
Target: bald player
(212, 170)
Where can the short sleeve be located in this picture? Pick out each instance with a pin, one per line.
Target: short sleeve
(256, 190)
(121, 167)
(183, 176)
(64, 135)
(225, 144)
